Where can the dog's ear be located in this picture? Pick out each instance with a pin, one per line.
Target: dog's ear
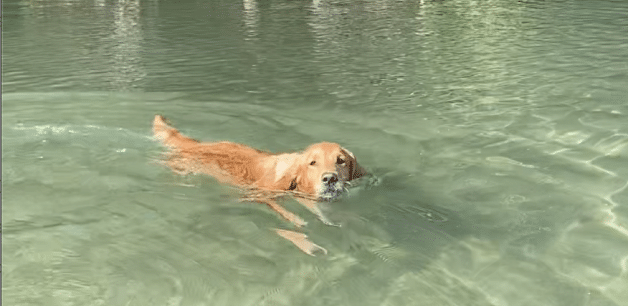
(286, 172)
(293, 184)
(356, 170)
(287, 181)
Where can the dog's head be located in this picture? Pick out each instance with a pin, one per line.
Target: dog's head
(323, 169)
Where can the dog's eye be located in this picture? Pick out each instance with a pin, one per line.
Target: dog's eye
(313, 163)
(340, 161)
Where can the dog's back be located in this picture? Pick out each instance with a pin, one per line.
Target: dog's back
(230, 162)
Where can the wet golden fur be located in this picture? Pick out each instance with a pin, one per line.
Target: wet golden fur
(320, 171)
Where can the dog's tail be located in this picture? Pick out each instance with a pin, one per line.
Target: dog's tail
(169, 136)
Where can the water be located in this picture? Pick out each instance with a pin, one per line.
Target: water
(496, 132)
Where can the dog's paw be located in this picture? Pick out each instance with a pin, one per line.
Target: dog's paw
(301, 241)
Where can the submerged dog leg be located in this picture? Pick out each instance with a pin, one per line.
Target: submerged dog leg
(296, 220)
(312, 206)
(301, 241)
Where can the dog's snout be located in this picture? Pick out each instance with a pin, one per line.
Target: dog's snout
(330, 178)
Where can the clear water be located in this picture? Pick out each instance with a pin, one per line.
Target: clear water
(498, 131)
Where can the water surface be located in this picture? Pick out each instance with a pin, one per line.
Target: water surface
(496, 133)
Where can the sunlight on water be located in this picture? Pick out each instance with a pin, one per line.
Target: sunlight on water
(495, 135)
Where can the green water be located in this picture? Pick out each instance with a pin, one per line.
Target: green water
(497, 133)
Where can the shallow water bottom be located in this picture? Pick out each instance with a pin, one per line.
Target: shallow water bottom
(93, 220)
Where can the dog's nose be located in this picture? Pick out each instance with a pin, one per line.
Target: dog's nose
(330, 178)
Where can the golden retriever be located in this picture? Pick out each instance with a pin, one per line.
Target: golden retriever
(320, 172)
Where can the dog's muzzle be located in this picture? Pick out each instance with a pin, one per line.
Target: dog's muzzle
(331, 187)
